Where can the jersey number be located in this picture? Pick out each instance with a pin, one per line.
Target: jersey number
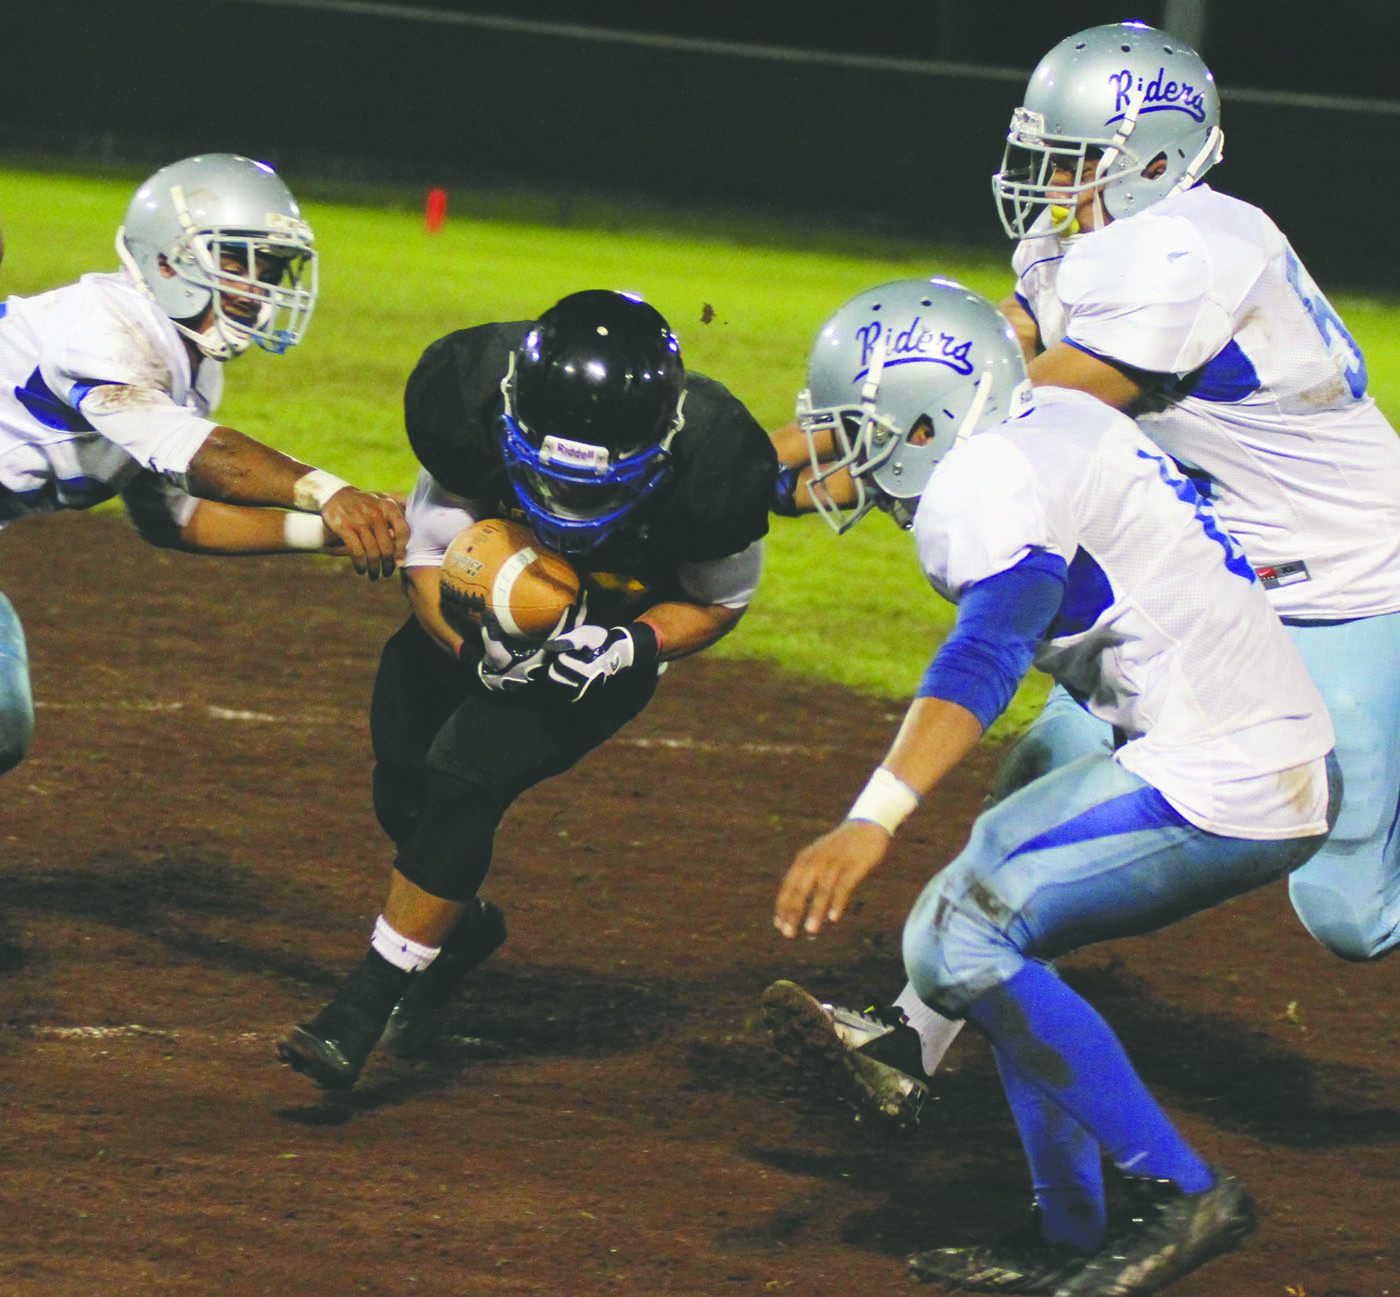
(1341, 346)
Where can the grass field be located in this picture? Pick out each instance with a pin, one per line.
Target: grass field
(855, 610)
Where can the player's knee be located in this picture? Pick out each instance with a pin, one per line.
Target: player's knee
(1333, 919)
(14, 747)
(16, 699)
(16, 735)
(448, 850)
(954, 953)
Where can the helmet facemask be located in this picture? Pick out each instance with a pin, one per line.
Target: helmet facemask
(1026, 189)
(1141, 103)
(218, 243)
(576, 493)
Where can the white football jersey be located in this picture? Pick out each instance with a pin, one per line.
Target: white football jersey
(95, 387)
(1164, 631)
(1269, 402)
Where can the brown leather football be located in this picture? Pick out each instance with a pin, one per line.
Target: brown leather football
(498, 566)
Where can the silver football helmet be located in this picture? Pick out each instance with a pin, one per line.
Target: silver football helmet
(897, 377)
(1125, 94)
(223, 232)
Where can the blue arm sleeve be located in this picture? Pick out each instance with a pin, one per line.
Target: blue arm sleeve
(1000, 621)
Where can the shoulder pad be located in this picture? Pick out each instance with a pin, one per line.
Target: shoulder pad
(451, 402)
(1141, 261)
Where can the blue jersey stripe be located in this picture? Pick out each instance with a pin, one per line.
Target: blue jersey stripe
(1228, 376)
(38, 398)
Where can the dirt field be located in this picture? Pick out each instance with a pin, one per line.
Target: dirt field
(191, 864)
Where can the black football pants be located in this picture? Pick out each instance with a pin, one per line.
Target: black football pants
(451, 756)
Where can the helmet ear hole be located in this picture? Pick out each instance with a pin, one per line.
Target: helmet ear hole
(899, 375)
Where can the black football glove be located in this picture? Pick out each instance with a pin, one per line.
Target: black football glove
(587, 656)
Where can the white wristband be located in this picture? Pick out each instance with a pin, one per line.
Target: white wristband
(303, 531)
(314, 489)
(885, 800)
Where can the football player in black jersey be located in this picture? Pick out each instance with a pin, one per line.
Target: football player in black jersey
(656, 484)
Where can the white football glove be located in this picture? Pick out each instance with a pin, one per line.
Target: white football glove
(508, 663)
(581, 658)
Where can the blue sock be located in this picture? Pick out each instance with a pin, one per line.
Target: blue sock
(1063, 1048)
(1065, 1161)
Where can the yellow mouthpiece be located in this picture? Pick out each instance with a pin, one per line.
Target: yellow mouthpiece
(1060, 215)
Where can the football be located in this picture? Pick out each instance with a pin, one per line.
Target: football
(498, 566)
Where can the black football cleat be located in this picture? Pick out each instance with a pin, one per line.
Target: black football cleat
(1020, 1262)
(1168, 1234)
(328, 1062)
(332, 1048)
(416, 1017)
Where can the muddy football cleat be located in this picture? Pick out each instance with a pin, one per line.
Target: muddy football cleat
(332, 1048)
(1168, 1234)
(1020, 1262)
(415, 1019)
(870, 1060)
(330, 1063)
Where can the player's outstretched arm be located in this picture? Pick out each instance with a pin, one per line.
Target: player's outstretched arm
(793, 489)
(232, 529)
(934, 738)
(232, 468)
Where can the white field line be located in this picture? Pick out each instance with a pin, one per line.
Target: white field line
(134, 1031)
(212, 712)
(209, 710)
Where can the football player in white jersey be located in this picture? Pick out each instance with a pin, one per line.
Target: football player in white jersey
(108, 385)
(1188, 309)
(1067, 540)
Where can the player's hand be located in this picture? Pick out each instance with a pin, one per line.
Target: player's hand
(585, 657)
(372, 528)
(508, 663)
(825, 874)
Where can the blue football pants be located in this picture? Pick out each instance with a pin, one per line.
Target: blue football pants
(1087, 853)
(1348, 895)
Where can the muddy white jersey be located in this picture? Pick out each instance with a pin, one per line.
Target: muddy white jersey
(1265, 403)
(95, 389)
(1163, 631)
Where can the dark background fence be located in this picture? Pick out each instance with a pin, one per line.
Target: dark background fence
(402, 95)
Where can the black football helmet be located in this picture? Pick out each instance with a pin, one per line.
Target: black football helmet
(593, 397)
